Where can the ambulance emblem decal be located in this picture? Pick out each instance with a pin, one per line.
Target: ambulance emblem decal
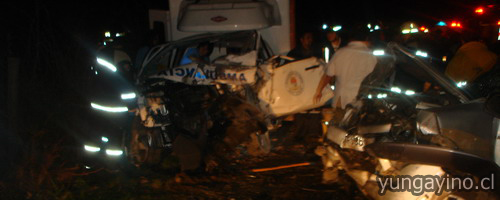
(294, 83)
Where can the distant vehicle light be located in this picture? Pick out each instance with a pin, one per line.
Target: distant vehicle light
(370, 96)
(114, 152)
(479, 11)
(410, 92)
(126, 96)
(441, 23)
(421, 53)
(426, 30)
(498, 23)
(414, 30)
(105, 139)
(108, 109)
(378, 52)
(107, 34)
(337, 28)
(444, 58)
(87, 167)
(326, 123)
(369, 26)
(332, 87)
(106, 64)
(396, 89)
(377, 27)
(422, 28)
(325, 26)
(91, 148)
(405, 31)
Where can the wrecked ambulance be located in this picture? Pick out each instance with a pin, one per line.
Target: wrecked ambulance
(200, 111)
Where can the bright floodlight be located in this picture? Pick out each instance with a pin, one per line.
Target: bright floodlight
(128, 96)
(378, 52)
(106, 64)
(396, 89)
(91, 148)
(113, 152)
(109, 109)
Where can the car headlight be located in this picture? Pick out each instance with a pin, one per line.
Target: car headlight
(114, 152)
(91, 148)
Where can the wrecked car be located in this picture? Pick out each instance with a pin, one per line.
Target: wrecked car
(397, 131)
(200, 111)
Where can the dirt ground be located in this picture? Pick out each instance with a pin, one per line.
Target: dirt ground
(294, 143)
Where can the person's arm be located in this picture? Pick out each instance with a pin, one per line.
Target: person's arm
(322, 83)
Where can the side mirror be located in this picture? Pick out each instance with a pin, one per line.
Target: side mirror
(492, 104)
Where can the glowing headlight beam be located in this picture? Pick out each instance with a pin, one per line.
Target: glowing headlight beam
(91, 148)
(126, 96)
(113, 152)
(109, 109)
(106, 64)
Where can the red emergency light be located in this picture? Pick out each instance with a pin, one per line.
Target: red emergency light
(422, 28)
(479, 10)
(498, 23)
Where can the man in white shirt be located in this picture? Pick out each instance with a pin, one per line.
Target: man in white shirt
(350, 65)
